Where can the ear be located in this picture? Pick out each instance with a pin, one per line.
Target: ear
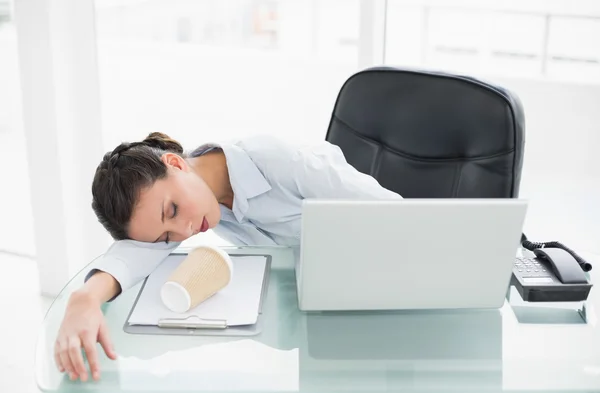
(172, 160)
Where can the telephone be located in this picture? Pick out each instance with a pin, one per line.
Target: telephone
(555, 274)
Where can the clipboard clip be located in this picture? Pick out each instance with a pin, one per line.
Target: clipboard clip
(192, 322)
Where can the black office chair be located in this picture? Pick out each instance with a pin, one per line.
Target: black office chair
(428, 134)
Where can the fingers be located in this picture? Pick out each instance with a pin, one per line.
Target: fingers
(89, 344)
(57, 359)
(104, 340)
(74, 351)
(68, 353)
(65, 359)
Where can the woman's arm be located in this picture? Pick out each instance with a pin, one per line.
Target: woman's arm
(125, 264)
(101, 287)
(322, 171)
(128, 262)
(82, 326)
(317, 170)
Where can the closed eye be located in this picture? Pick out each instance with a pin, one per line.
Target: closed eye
(174, 207)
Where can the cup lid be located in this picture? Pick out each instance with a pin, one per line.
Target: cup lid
(175, 297)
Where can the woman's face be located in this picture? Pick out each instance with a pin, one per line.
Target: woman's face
(176, 207)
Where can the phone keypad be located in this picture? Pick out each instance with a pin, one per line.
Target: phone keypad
(530, 267)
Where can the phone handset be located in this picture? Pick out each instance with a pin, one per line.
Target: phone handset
(531, 246)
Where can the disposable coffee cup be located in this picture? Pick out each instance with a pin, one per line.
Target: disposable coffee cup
(204, 272)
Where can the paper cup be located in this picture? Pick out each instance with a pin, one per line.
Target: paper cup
(205, 271)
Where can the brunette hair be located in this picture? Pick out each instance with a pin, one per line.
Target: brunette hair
(122, 175)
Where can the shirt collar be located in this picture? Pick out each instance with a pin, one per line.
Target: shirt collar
(246, 179)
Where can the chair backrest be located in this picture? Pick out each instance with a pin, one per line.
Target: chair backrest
(431, 135)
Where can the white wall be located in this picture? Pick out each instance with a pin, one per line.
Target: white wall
(561, 174)
(563, 125)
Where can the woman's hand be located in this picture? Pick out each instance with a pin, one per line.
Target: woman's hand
(83, 325)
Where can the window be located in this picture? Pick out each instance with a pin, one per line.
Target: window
(558, 40)
(207, 69)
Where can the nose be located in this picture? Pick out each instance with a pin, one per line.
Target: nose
(188, 229)
(184, 229)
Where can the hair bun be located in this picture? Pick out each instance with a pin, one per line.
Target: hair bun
(163, 142)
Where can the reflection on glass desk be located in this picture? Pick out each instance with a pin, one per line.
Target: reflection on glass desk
(448, 350)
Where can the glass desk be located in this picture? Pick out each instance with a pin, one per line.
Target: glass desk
(517, 348)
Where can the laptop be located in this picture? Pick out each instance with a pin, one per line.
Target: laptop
(408, 253)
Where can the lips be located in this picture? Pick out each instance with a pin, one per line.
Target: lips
(204, 226)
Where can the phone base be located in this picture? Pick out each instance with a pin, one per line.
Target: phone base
(551, 293)
(576, 312)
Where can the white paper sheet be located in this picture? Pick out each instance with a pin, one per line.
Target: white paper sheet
(238, 303)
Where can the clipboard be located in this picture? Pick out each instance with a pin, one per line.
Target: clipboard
(202, 327)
